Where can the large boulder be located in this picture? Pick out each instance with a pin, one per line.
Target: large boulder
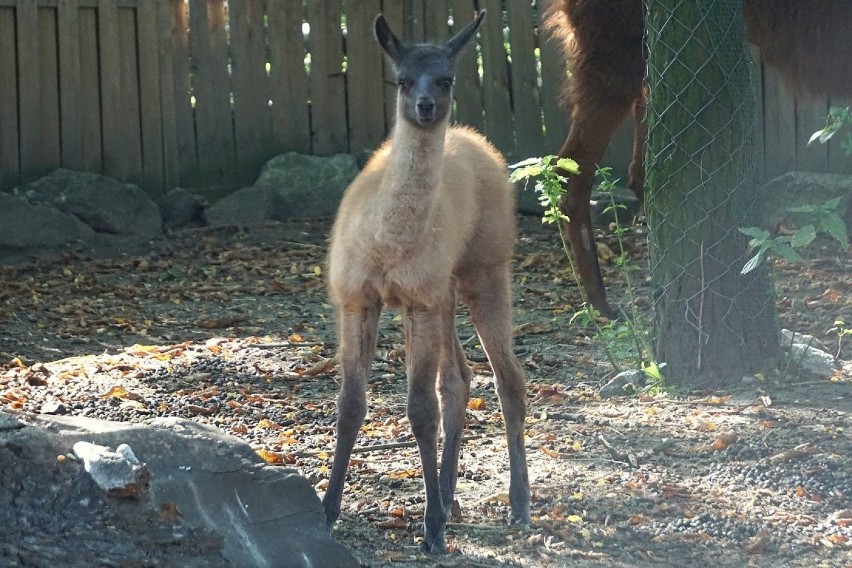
(247, 206)
(211, 500)
(307, 186)
(27, 225)
(794, 189)
(290, 186)
(182, 208)
(106, 205)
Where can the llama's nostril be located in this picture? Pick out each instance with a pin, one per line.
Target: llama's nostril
(425, 107)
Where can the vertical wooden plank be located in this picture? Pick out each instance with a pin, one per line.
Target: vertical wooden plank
(436, 21)
(328, 100)
(525, 90)
(415, 27)
(149, 98)
(759, 129)
(69, 84)
(48, 92)
(495, 81)
(839, 162)
(780, 125)
(252, 127)
(289, 82)
(810, 117)
(9, 174)
(394, 14)
(468, 90)
(364, 88)
(553, 80)
(213, 119)
(129, 108)
(91, 151)
(110, 81)
(29, 125)
(179, 141)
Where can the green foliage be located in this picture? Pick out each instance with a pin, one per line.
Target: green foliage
(625, 341)
(812, 219)
(841, 331)
(837, 119)
(549, 183)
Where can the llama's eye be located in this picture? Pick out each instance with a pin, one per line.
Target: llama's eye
(405, 83)
(445, 83)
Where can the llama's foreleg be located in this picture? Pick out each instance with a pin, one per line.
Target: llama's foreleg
(488, 296)
(636, 173)
(594, 123)
(454, 388)
(358, 327)
(422, 353)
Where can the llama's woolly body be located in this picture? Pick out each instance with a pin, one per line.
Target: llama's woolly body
(379, 241)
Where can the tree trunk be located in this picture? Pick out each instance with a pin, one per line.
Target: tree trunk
(713, 325)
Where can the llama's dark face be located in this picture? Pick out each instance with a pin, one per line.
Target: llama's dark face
(425, 78)
(425, 73)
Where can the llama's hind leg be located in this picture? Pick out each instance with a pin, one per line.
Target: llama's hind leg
(595, 121)
(487, 293)
(358, 327)
(454, 388)
(422, 352)
(636, 178)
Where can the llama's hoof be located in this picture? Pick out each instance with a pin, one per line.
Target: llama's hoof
(522, 520)
(434, 544)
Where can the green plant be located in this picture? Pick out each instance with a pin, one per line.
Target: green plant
(840, 330)
(812, 219)
(837, 119)
(625, 341)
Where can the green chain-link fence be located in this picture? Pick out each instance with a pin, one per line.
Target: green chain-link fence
(711, 320)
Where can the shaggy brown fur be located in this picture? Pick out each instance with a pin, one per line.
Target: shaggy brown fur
(809, 41)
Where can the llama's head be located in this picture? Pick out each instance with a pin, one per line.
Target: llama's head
(425, 73)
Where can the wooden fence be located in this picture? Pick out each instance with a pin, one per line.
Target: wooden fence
(202, 92)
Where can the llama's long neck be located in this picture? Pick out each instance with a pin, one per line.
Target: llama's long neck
(410, 184)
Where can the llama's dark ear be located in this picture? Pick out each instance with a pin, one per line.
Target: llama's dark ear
(386, 38)
(456, 43)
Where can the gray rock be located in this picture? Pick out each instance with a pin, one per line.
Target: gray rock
(812, 360)
(790, 337)
(527, 199)
(247, 206)
(104, 204)
(181, 208)
(28, 225)
(265, 516)
(290, 186)
(307, 186)
(53, 406)
(117, 472)
(624, 383)
(808, 353)
(9, 423)
(803, 188)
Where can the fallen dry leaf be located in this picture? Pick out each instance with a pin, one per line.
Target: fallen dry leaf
(270, 457)
(322, 366)
(724, 440)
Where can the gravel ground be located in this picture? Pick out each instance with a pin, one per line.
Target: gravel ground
(232, 328)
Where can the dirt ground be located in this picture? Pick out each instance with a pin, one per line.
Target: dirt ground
(232, 327)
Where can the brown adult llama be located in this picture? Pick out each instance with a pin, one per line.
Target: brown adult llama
(808, 41)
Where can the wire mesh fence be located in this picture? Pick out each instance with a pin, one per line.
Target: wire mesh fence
(701, 162)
